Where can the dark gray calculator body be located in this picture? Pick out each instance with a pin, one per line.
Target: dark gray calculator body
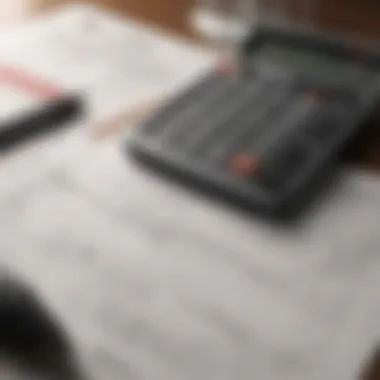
(267, 138)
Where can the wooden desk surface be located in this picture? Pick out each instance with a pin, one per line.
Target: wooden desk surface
(173, 15)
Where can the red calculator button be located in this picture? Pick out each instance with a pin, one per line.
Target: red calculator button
(316, 95)
(226, 67)
(244, 165)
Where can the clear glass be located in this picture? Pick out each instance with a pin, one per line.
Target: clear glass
(226, 22)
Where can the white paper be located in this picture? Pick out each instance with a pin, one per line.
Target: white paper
(103, 65)
(153, 281)
(114, 63)
(15, 102)
(156, 283)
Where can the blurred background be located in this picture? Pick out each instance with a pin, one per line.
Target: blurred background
(187, 21)
(353, 16)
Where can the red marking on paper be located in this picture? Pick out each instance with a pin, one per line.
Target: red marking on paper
(28, 83)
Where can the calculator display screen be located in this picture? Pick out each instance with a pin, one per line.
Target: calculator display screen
(318, 66)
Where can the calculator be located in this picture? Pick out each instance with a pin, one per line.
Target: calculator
(266, 139)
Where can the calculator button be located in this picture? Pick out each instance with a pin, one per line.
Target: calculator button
(371, 92)
(283, 166)
(343, 97)
(167, 120)
(227, 67)
(256, 122)
(244, 166)
(223, 113)
(325, 128)
(323, 131)
(249, 125)
(192, 118)
(285, 120)
(317, 96)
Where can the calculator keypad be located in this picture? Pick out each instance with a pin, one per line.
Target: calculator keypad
(281, 166)
(264, 132)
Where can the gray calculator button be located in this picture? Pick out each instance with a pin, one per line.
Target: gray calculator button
(251, 124)
(193, 118)
(372, 92)
(283, 165)
(162, 119)
(326, 127)
(184, 118)
(285, 122)
(324, 131)
(224, 115)
(343, 97)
